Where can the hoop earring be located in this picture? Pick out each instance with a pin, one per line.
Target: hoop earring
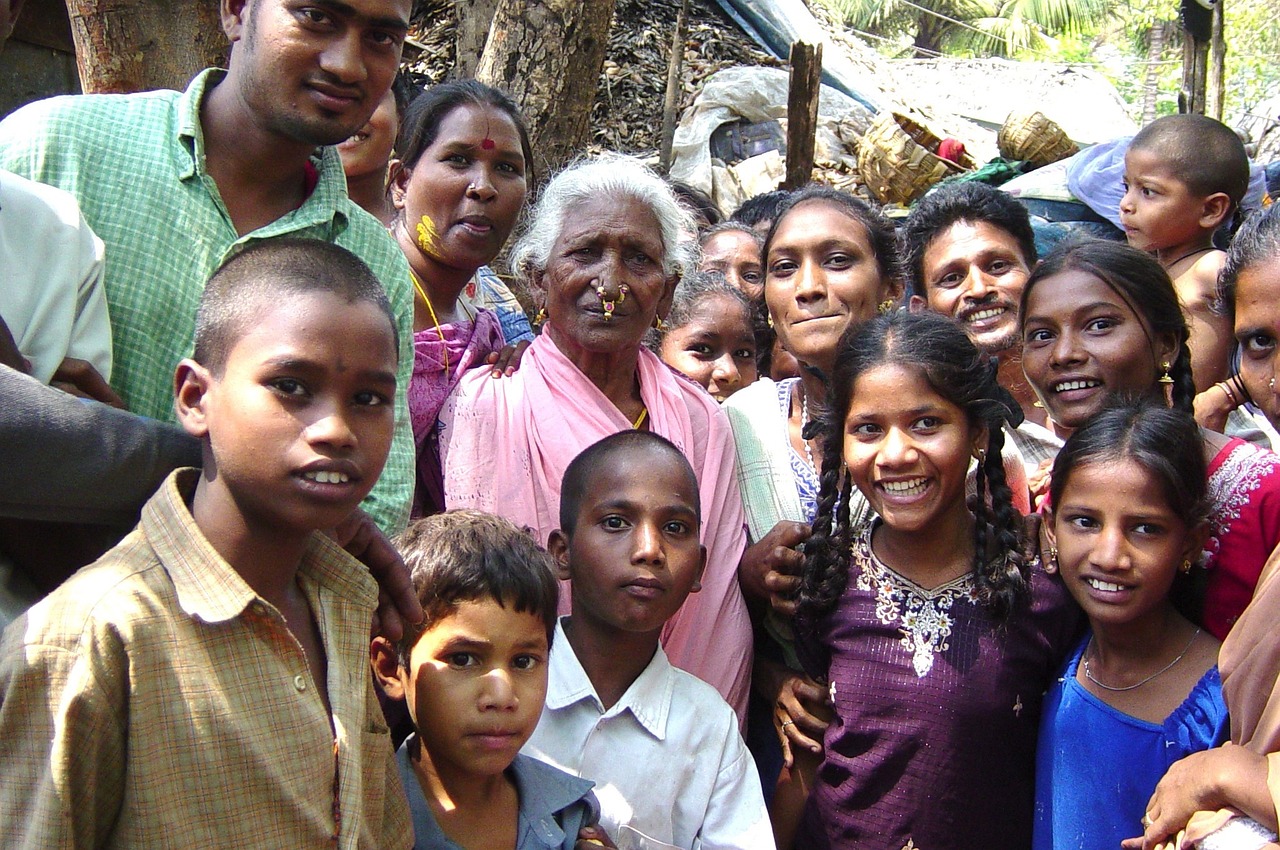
(1166, 378)
(659, 325)
(541, 318)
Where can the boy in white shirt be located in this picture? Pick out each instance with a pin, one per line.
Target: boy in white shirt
(663, 748)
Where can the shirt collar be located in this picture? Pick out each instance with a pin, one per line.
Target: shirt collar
(648, 699)
(207, 587)
(544, 792)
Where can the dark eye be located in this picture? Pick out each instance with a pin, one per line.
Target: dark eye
(745, 354)
(1038, 335)
(614, 523)
(752, 276)
(839, 261)
(313, 15)
(371, 398)
(782, 268)
(1257, 344)
(289, 386)
(1084, 523)
(699, 348)
(928, 423)
(865, 430)
(949, 280)
(1148, 529)
(457, 159)
(461, 660)
(999, 267)
(1100, 325)
(525, 662)
(676, 527)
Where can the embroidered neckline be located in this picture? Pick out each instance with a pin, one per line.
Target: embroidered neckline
(923, 616)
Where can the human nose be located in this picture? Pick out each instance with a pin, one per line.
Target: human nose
(978, 285)
(646, 544)
(344, 57)
(1110, 552)
(481, 186)
(330, 427)
(811, 283)
(1126, 201)
(498, 691)
(1065, 350)
(897, 449)
(724, 372)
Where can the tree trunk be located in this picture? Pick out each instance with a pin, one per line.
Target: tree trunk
(474, 19)
(135, 45)
(1151, 79)
(548, 55)
(1216, 92)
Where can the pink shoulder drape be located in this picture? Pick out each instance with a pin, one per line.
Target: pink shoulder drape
(505, 445)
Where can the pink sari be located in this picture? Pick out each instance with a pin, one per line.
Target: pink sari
(505, 445)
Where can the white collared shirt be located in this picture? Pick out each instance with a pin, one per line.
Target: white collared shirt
(670, 767)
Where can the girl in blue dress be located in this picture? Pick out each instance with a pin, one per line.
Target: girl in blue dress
(1142, 689)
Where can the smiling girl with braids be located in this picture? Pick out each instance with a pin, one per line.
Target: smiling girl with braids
(935, 638)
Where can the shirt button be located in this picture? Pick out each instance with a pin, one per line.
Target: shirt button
(300, 682)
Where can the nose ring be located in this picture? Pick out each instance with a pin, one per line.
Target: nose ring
(1272, 385)
(609, 303)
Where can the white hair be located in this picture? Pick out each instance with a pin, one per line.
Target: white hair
(608, 175)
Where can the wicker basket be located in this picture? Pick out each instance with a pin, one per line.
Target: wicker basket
(896, 167)
(1030, 136)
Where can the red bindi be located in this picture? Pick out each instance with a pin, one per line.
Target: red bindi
(487, 144)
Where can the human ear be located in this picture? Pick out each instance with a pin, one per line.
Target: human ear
(1195, 540)
(192, 383)
(386, 667)
(981, 441)
(558, 548)
(1215, 211)
(702, 566)
(916, 304)
(233, 13)
(668, 295)
(1167, 350)
(398, 175)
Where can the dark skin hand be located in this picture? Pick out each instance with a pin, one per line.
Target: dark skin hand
(506, 361)
(79, 378)
(397, 603)
(770, 569)
(1229, 776)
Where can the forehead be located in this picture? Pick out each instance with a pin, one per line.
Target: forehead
(1061, 295)
(472, 123)
(488, 621)
(732, 242)
(1258, 293)
(893, 388)
(719, 312)
(315, 323)
(966, 241)
(605, 217)
(1118, 482)
(819, 221)
(380, 12)
(640, 474)
(1149, 162)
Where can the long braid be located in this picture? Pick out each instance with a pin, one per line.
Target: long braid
(1002, 577)
(1184, 387)
(825, 552)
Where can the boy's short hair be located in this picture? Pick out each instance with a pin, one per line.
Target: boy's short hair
(271, 268)
(596, 456)
(1203, 153)
(463, 556)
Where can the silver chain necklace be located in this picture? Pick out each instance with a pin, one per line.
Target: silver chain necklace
(1160, 672)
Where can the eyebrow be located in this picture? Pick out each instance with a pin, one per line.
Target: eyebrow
(400, 25)
(619, 505)
(299, 364)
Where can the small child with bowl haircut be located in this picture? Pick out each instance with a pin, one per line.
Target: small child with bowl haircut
(204, 684)
(474, 676)
(671, 769)
(1185, 176)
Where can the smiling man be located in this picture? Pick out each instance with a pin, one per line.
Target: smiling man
(969, 249)
(175, 182)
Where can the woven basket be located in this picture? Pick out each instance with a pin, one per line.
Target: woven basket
(896, 167)
(1030, 136)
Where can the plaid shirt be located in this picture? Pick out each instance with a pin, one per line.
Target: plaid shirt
(154, 700)
(136, 164)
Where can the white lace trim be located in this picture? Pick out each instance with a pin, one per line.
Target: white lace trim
(1232, 486)
(923, 616)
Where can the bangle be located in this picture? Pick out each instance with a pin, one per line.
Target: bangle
(1237, 383)
(1229, 392)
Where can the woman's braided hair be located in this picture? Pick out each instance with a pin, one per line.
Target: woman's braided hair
(964, 376)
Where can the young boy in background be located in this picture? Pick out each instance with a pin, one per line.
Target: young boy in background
(1185, 176)
(204, 683)
(671, 769)
(474, 676)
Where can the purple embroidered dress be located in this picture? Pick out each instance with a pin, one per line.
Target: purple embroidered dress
(466, 344)
(937, 708)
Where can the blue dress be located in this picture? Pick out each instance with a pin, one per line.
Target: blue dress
(1097, 767)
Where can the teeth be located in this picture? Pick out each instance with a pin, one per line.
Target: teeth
(326, 477)
(983, 315)
(904, 488)
(1099, 584)
(1066, 386)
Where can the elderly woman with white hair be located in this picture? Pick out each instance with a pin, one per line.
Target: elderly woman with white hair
(602, 255)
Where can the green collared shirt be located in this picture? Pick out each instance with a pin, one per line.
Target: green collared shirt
(136, 164)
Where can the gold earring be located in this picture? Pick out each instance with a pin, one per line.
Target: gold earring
(1166, 378)
(1053, 557)
(769, 320)
(1037, 404)
(1186, 566)
(541, 317)
(886, 305)
(658, 324)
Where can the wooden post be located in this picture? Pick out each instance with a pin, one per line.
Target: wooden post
(1196, 26)
(802, 112)
(671, 105)
(1216, 88)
